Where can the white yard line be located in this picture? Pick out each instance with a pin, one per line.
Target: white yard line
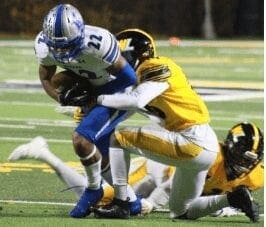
(197, 43)
(25, 139)
(69, 204)
(62, 123)
(35, 202)
(29, 139)
(19, 103)
(17, 126)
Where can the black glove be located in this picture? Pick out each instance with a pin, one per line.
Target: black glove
(78, 95)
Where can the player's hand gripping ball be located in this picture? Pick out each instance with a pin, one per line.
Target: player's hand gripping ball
(72, 89)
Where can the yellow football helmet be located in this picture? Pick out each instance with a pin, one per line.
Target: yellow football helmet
(136, 45)
(244, 147)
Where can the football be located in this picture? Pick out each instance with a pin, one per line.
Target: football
(65, 80)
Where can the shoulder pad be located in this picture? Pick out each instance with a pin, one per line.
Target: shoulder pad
(40, 47)
(153, 70)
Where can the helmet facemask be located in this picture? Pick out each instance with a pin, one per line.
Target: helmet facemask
(63, 30)
(243, 150)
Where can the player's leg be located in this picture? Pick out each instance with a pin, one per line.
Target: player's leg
(185, 200)
(135, 203)
(98, 122)
(240, 198)
(133, 138)
(159, 197)
(187, 185)
(38, 149)
(160, 145)
(119, 162)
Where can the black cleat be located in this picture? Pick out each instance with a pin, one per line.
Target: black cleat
(117, 209)
(241, 198)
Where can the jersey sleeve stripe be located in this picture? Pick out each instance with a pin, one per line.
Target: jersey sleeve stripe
(160, 73)
(113, 51)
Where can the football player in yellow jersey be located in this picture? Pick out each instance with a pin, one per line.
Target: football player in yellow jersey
(152, 180)
(239, 162)
(191, 145)
(184, 138)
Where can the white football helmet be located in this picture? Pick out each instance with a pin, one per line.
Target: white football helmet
(63, 30)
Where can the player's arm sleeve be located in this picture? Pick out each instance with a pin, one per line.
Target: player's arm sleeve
(125, 77)
(255, 179)
(135, 99)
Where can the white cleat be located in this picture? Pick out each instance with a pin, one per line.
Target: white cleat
(35, 149)
(146, 207)
(226, 212)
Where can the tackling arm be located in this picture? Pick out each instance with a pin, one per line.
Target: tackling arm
(137, 98)
(125, 76)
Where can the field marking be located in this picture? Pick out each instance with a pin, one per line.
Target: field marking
(128, 122)
(216, 60)
(36, 84)
(198, 43)
(162, 210)
(227, 84)
(19, 103)
(36, 202)
(63, 123)
(8, 167)
(17, 126)
(24, 139)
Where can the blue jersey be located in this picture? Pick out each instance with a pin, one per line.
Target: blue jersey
(99, 52)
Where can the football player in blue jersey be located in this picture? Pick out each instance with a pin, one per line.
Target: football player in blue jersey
(92, 53)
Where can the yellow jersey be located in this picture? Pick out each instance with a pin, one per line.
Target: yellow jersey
(217, 183)
(179, 106)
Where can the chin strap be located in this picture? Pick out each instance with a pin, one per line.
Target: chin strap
(230, 173)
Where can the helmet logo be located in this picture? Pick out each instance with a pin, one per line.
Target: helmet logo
(124, 44)
(237, 132)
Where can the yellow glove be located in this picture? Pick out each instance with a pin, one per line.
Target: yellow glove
(78, 115)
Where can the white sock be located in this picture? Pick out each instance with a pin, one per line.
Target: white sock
(107, 176)
(75, 181)
(159, 197)
(131, 194)
(119, 162)
(48, 157)
(94, 175)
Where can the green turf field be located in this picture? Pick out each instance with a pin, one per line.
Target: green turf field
(27, 112)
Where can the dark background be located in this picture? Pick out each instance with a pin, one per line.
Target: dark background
(163, 18)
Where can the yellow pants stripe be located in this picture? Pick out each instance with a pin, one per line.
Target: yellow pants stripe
(157, 145)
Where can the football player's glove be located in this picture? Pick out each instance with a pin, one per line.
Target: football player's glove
(78, 114)
(78, 95)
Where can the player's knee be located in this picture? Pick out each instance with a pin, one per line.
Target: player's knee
(81, 145)
(113, 141)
